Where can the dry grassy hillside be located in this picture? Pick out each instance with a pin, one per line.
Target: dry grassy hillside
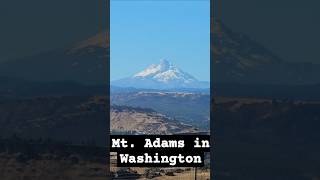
(145, 121)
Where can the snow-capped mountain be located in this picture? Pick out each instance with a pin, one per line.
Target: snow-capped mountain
(165, 72)
(161, 76)
(236, 59)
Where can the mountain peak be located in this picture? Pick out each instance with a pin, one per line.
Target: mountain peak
(154, 69)
(101, 39)
(165, 63)
(164, 75)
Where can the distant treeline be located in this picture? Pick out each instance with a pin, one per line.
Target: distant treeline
(131, 109)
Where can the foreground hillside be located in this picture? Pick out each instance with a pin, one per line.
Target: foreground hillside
(252, 136)
(145, 121)
(49, 160)
(79, 119)
(75, 119)
(266, 139)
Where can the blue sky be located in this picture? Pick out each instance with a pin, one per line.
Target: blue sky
(143, 32)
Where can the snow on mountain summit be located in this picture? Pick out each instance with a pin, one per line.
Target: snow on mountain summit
(154, 69)
(161, 76)
(165, 72)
